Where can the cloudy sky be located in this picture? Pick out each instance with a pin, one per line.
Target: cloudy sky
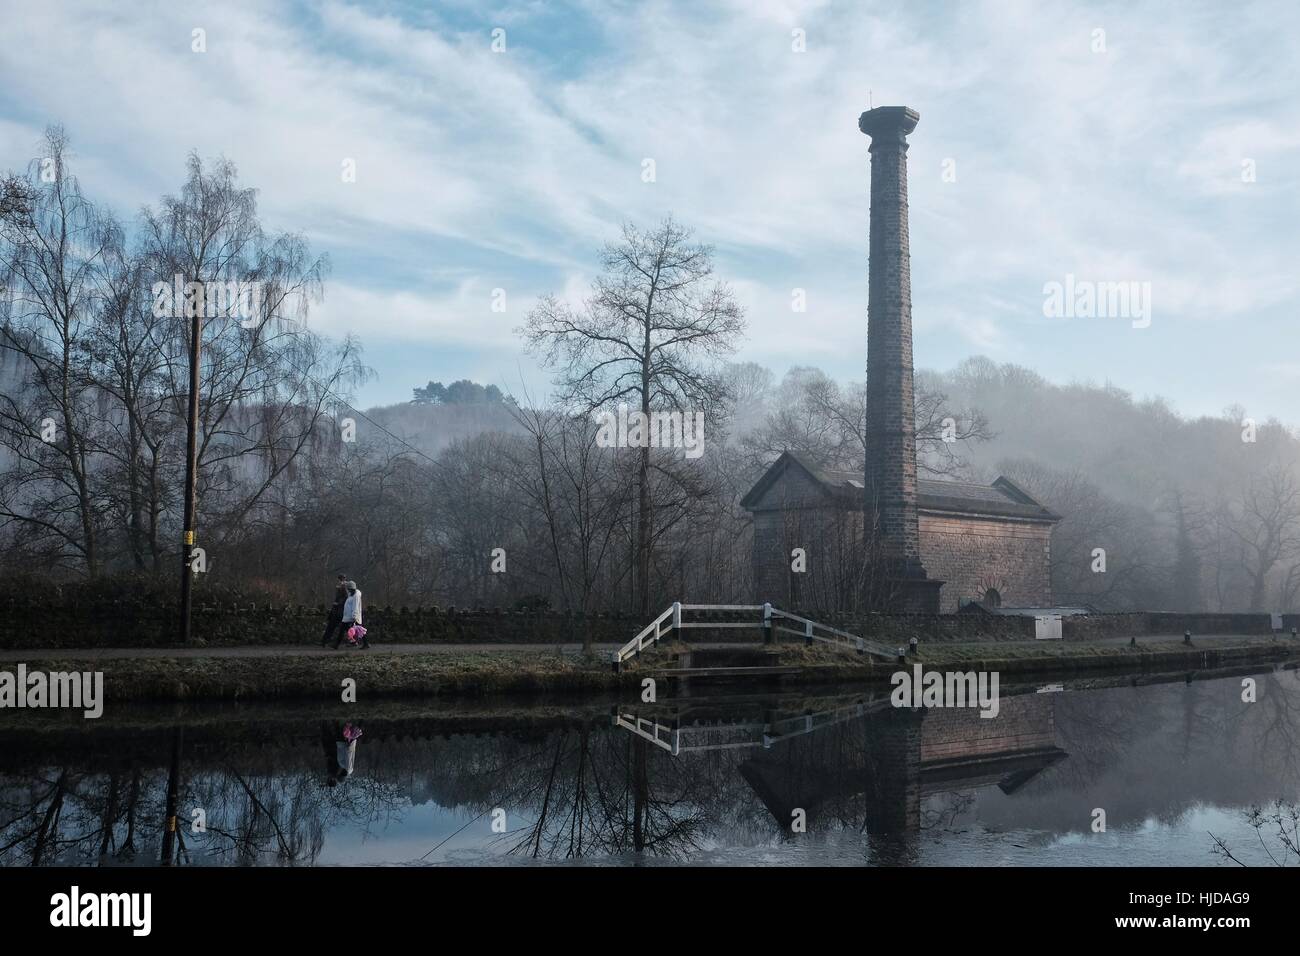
(1105, 141)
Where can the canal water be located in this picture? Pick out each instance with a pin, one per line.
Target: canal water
(1158, 770)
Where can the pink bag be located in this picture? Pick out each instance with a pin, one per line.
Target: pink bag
(355, 633)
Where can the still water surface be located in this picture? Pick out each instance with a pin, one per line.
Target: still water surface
(835, 777)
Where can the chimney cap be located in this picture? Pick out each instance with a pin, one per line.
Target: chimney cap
(884, 120)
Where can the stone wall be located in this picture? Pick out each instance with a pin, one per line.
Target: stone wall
(129, 624)
(143, 624)
(971, 555)
(1086, 627)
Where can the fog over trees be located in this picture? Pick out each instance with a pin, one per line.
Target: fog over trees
(1193, 514)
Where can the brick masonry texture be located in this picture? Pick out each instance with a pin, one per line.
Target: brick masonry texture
(890, 475)
(969, 554)
(972, 556)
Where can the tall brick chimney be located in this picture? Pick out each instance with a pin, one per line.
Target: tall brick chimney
(898, 580)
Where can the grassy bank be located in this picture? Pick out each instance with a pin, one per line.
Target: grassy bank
(1047, 659)
(487, 673)
(255, 678)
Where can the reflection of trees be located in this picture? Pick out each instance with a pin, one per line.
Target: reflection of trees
(1278, 832)
(255, 811)
(591, 792)
(1277, 712)
(1155, 752)
(943, 815)
(577, 787)
(56, 816)
(1096, 729)
(607, 794)
(267, 816)
(260, 811)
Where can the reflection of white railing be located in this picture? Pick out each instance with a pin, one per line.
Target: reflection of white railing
(677, 739)
(671, 622)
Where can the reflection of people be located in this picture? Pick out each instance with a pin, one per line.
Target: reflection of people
(347, 749)
(340, 747)
(335, 615)
(327, 736)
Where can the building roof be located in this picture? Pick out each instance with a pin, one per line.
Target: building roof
(1003, 498)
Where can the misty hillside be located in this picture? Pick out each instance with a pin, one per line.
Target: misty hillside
(1192, 512)
(1137, 450)
(431, 428)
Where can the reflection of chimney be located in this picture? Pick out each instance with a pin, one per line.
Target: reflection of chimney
(898, 578)
(892, 760)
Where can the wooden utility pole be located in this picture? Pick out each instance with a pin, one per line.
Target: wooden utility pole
(191, 471)
(170, 823)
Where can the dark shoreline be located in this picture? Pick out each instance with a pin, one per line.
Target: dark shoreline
(480, 674)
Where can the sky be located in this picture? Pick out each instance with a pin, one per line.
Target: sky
(498, 146)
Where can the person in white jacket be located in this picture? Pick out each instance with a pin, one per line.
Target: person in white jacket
(351, 614)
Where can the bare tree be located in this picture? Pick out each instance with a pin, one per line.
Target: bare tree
(51, 263)
(1104, 552)
(824, 422)
(267, 382)
(1265, 520)
(655, 317)
(574, 486)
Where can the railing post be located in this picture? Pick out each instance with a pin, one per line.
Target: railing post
(767, 622)
(807, 633)
(677, 620)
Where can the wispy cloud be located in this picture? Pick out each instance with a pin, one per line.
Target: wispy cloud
(478, 169)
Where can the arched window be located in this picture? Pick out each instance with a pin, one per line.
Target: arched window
(992, 598)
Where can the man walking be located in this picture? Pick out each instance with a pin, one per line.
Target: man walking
(335, 618)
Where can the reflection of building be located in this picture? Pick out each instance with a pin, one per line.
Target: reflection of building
(869, 761)
(987, 543)
(961, 749)
(905, 755)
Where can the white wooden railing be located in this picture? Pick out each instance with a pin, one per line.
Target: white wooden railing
(672, 622)
(816, 631)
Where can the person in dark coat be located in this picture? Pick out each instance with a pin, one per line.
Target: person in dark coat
(335, 617)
